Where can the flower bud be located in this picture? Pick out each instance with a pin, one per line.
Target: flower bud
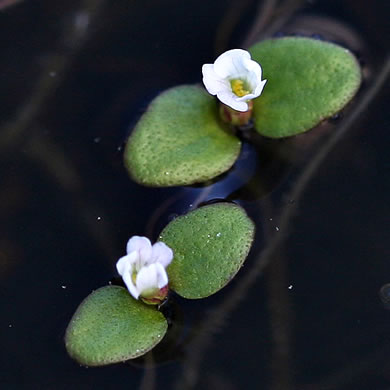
(157, 297)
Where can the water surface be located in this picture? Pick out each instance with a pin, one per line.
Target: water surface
(304, 312)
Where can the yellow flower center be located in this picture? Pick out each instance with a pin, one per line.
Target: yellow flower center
(238, 88)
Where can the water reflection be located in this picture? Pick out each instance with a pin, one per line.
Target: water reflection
(384, 294)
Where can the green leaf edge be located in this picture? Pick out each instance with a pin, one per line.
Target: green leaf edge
(322, 118)
(129, 165)
(80, 360)
(244, 257)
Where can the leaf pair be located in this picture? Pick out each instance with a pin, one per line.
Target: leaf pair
(180, 140)
(210, 244)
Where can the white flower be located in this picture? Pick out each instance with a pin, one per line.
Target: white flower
(235, 78)
(143, 268)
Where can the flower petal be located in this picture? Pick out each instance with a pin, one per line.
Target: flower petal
(147, 278)
(162, 277)
(142, 245)
(233, 101)
(231, 64)
(256, 93)
(212, 81)
(126, 263)
(125, 266)
(259, 89)
(162, 253)
(128, 280)
(253, 66)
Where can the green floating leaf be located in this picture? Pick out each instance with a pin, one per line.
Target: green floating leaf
(180, 140)
(210, 245)
(308, 80)
(110, 326)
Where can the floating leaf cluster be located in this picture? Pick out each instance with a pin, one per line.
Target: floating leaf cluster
(181, 140)
(210, 245)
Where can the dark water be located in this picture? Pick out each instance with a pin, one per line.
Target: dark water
(305, 311)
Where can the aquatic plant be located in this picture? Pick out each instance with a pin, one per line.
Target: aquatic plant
(182, 140)
(209, 246)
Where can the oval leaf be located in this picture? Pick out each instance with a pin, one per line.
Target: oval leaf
(110, 326)
(180, 140)
(210, 244)
(308, 80)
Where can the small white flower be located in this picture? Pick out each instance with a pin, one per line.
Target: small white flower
(143, 268)
(235, 78)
